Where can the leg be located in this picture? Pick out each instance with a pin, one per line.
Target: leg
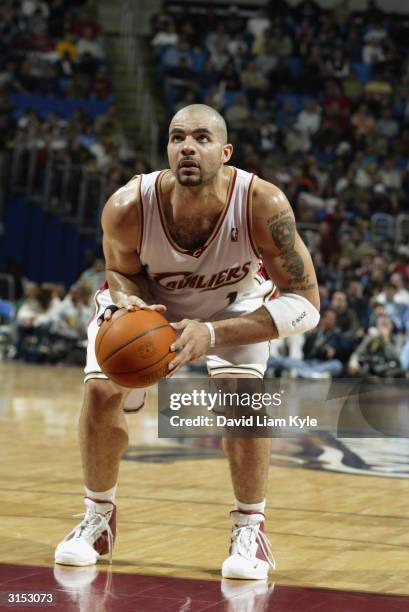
(103, 439)
(103, 433)
(249, 459)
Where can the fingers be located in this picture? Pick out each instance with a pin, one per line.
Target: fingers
(179, 325)
(131, 304)
(182, 358)
(107, 314)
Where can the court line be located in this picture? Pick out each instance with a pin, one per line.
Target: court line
(200, 526)
(212, 503)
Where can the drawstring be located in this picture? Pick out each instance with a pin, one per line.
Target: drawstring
(245, 541)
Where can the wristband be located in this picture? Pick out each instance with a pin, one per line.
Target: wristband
(212, 334)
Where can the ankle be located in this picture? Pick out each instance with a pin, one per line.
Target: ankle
(102, 496)
(254, 507)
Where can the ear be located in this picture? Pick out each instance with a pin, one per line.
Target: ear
(227, 152)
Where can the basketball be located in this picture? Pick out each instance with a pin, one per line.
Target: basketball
(133, 348)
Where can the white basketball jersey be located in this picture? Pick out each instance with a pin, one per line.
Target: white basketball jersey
(217, 280)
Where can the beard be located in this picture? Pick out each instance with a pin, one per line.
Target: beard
(187, 179)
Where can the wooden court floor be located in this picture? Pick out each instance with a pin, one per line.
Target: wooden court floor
(328, 530)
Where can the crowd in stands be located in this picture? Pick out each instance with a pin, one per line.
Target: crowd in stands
(50, 325)
(56, 91)
(317, 102)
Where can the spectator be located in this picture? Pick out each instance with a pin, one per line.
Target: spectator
(165, 38)
(95, 275)
(347, 320)
(378, 354)
(238, 113)
(309, 119)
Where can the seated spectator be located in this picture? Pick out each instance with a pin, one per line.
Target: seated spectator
(265, 48)
(95, 275)
(372, 52)
(324, 351)
(217, 41)
(387, 125)
(251, 77)
(363, 122)
(352, 86)
(258, 24)
(309, 119)
(378, 354)
(73, 313)
(337, 65)
(347, 320)
(394, 309)
(34, 319)
(165, 38)
(89, 45)
(68, 47)
(389, 175)
(238, 113)
(358, 303)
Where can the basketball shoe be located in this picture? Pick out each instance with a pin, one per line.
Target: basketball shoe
(94, 536)
(250, 551)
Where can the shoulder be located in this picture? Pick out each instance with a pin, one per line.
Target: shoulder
(268, 200)
(123, 207)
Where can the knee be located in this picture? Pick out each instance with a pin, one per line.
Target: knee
(103, 395)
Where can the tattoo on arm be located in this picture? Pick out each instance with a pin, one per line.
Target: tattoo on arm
(283, 234)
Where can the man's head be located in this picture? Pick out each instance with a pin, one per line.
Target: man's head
(328, 319)
(339, 302)
(197, 146)
(390, 290)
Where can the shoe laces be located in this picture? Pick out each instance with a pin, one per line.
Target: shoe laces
(245, 539)
(92, 527)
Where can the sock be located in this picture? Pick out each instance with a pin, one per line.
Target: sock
(108, 495)
(259, 507)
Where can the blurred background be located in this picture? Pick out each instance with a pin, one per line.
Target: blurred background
(316, 97)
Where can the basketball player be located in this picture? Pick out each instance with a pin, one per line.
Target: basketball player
(194, 236)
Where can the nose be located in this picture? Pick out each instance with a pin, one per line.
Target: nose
(189, 147)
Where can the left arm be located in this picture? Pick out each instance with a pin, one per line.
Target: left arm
(288, 263)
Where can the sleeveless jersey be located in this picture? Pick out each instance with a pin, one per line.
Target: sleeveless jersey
(221, 278)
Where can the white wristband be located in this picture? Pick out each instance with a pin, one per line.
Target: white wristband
(292, 314)
(212, 334)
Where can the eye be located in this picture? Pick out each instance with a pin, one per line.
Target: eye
(176, 138)
(203, 138)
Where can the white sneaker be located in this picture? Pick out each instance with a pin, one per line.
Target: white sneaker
(94, 536)
(250, 551)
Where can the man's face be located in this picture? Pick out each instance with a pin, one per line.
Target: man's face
(339, 301)
(329, 320)
(196, 150)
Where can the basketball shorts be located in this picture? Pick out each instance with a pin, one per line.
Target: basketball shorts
(249, 359)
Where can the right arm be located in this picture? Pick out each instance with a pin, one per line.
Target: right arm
(122, 233)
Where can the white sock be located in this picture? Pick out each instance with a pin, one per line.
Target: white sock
(259, 507)
(108, 495)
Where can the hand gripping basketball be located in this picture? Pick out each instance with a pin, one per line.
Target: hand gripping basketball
(131, 303)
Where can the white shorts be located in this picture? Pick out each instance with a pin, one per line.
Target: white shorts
(248, 359)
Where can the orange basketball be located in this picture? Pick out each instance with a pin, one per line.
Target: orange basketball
(133, 348)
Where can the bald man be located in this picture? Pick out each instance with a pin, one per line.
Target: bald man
(188, 241)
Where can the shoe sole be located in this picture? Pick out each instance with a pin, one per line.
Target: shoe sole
(236, 577)
(70, 560)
